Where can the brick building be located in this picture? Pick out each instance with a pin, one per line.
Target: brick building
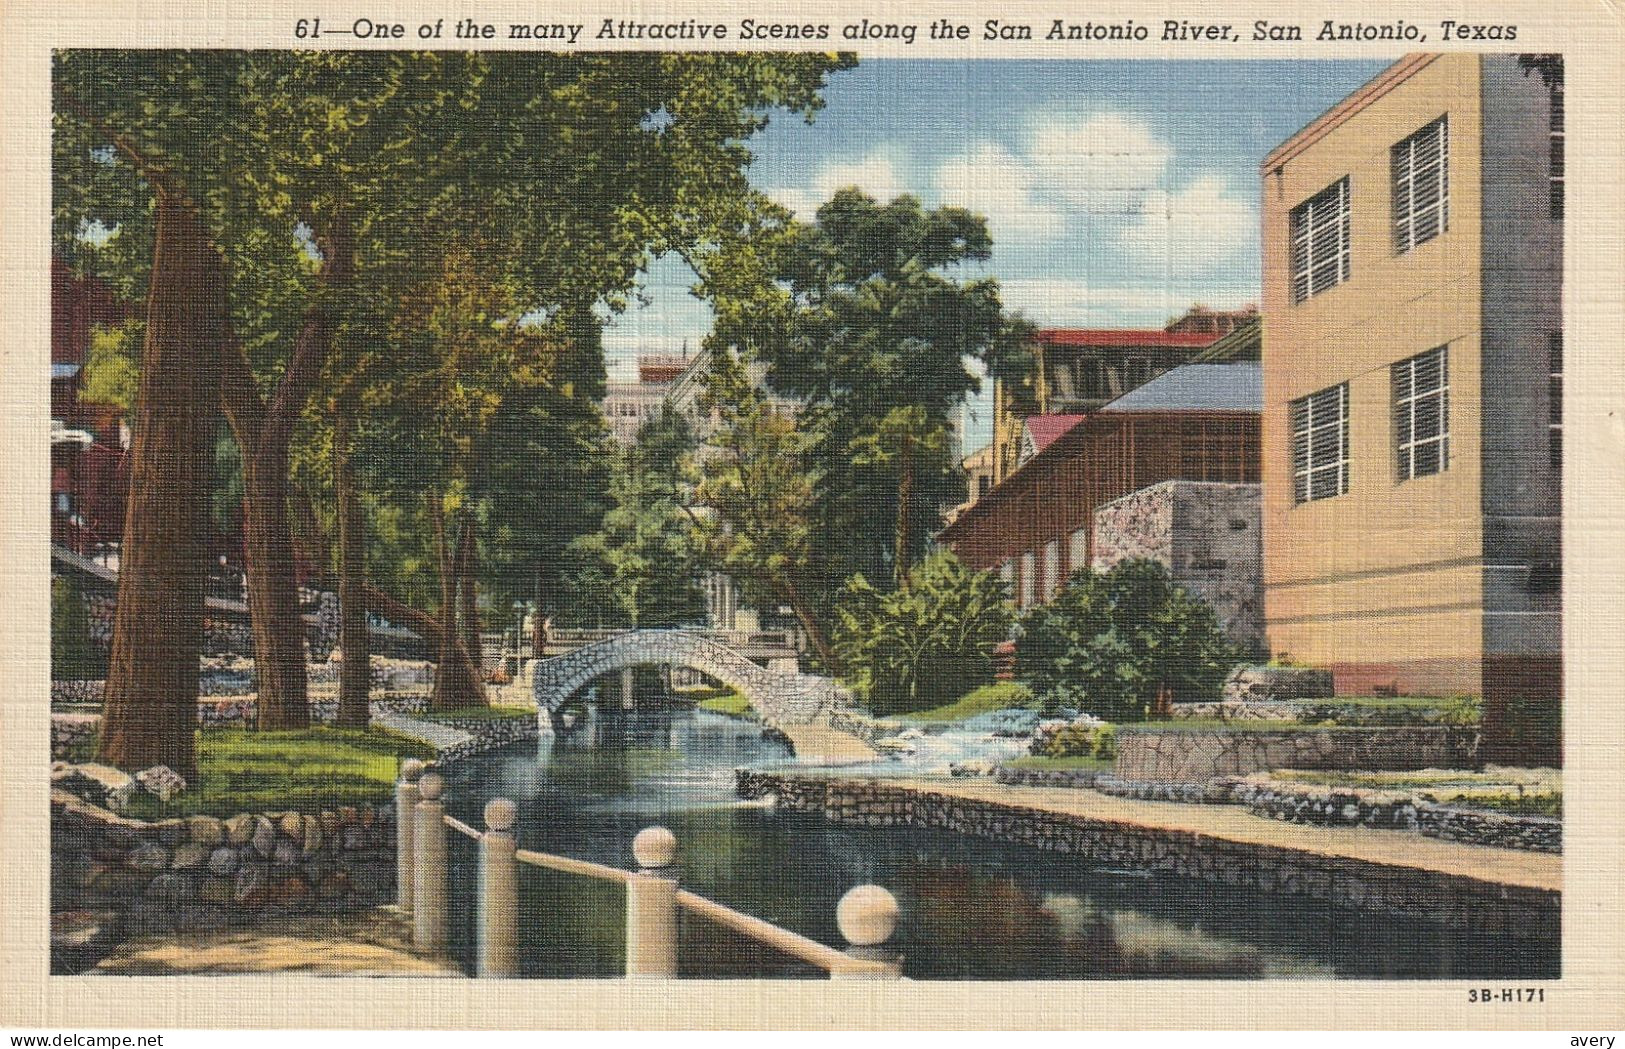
(1197, 422)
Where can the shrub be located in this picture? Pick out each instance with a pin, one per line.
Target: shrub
(74, 656)
(907, 649)
(1462, 710)
(1080, 740)
(1108, 643)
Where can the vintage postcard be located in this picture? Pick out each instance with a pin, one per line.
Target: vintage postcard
(892, 516)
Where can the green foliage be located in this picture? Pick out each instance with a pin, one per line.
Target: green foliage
(1108, 642)
(932, 638)
(1001, 695)
(112, 372)
(304, 771)
(1462, 710)
(74, 657)
(1078, 740)
(731, 703)
(864, 319)
(644, 560)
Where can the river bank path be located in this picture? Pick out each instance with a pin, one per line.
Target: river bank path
(1532, 870)
(377, 942)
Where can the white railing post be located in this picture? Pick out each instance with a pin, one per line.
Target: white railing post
(429, 872)
(651, 906)
(499, 893)
(867, 916)
(406, 818)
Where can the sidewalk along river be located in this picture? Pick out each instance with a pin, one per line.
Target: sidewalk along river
(971, 908)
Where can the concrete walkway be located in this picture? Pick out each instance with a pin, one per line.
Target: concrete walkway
(1534, 870)
(817, 743)
(369, 943)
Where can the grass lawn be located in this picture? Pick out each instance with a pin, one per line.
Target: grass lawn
(998, 696)
(731, 703)
(1514, 791)
(304, 771)
(1072, 764)
(491, 713)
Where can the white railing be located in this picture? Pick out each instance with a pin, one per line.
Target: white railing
(866, 916)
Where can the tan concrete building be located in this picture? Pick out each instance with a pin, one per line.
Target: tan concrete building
(1412, 420)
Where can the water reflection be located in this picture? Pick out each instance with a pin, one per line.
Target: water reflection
(972, 908)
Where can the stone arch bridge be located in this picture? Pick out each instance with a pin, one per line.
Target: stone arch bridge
(782, 698)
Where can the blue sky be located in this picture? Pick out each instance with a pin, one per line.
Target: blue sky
(1117, 193)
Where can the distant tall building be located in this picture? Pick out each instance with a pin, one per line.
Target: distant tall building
(628, 405)
(1078, 370)
(1413, 390)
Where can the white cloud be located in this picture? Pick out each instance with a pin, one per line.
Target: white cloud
(1103, 162)
(990, 181)
(1192, 229)
(874, 174)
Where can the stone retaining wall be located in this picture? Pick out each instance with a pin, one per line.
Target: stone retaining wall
(1453, 899)
(71, 730)
(1182, 756)
(202, 872)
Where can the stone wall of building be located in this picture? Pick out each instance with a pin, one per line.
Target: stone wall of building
(1208, 535)
(1180, 756)
(1345, 881)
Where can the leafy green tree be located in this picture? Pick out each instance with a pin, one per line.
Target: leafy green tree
(862, 316)
(925, 643)
(288, 196)
(1120, 644)
(760, 474)
(646, 550)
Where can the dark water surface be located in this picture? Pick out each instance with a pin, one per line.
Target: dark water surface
(971, 908)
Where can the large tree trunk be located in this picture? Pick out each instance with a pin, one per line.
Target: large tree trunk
(456, 678)
(273, 600)
(355, 674)
(469, 594)
(810, 624)
(150, 710)
(264, 432)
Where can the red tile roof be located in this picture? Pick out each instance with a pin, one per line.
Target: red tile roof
(1046, 428)
(1124, 337)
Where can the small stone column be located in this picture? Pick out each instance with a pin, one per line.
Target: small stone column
(499, 893)
(406, 803)
(651, 906)
(867, 917)
(429, 871)
(629, 697)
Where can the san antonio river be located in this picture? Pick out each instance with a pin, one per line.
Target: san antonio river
(972, 909)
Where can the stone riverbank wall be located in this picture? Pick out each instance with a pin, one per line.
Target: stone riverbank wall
(1196, 756)
(1436, 896)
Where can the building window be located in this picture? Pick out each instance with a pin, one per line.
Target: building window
(1136, 373)
(1320, 444)
(1320, 241)
(1554, 402)
(1029, 579)
(1555, 147)
(1422, 413)
(1078, 554)
(1420, 168)
(1052, 567)
(984, 484)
